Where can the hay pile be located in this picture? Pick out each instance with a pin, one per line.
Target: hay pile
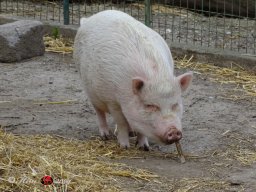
(81, 165)
(58, 45)
(78, 165)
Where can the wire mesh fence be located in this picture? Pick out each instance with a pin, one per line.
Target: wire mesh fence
(222, 24)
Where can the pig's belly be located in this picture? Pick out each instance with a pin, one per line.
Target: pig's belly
(99, 94)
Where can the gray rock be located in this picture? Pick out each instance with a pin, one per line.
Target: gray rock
(21, 40)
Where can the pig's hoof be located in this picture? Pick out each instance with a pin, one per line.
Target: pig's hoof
(124, 146)
(143, 147)
(142, 142)
(106, 136)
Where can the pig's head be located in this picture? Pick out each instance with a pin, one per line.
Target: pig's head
(156, 108)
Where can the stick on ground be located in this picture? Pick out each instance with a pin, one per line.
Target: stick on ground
(180, 153)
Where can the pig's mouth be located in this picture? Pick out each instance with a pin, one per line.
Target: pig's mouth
(166, 142)
(171, 137)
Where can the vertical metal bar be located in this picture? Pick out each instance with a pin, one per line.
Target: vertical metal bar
(231, 30)
(53, 12)
(173, 17)
(17, 6)
(29, 9)
(41, 10)
(47, 10)
(247, 24)
(254, 31)
(59, 9)
(179, 33)
(201, 28)
(152, 23)
(224, 30)
(85, 4)
(34, 10)
(158, 17)
(194, 35)
(148, 13)
(72, 12)
(12, 7)
(23, 8)
(187, 24)
(209, 22)
(138, 9)
(130, 10)
(124, 6)
(91, 8)
(66, 11)
(98, 7)
(216, 29)
(239, 25)
(165, 23)
(79, 13)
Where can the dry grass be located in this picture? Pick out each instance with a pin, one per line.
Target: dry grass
(58, 45)
(84, 165)
(202, 184)
(81, 166)
(240, 148)
(244, 81)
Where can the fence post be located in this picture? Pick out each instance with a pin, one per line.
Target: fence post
(148, 13)
(66, 11)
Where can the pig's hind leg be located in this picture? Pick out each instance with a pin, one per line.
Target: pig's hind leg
(103, 127)
(122, 124)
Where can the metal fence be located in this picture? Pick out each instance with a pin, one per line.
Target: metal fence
(222, 24)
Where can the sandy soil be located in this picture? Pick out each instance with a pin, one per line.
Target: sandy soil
(212, 124)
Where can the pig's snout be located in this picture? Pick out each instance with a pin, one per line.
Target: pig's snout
(173, 135)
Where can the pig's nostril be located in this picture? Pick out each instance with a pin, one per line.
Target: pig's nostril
(169, 136)
(174, 135)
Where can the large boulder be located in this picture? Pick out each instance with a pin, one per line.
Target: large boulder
(21, 40)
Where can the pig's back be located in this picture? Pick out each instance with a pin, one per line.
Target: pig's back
(112, 48)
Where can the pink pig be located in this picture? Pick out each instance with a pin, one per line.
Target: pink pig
(127, 71)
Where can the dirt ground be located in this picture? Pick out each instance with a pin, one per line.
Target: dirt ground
(212, 124)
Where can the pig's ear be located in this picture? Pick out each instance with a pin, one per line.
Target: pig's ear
(137, 84)
(185, 80)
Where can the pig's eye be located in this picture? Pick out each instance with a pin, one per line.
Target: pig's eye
(152, 108)
(175, 106)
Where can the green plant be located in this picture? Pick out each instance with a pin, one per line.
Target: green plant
(56, 32)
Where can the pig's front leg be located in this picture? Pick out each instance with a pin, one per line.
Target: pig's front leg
(103, 127)
(142, 142)
(122, 124)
